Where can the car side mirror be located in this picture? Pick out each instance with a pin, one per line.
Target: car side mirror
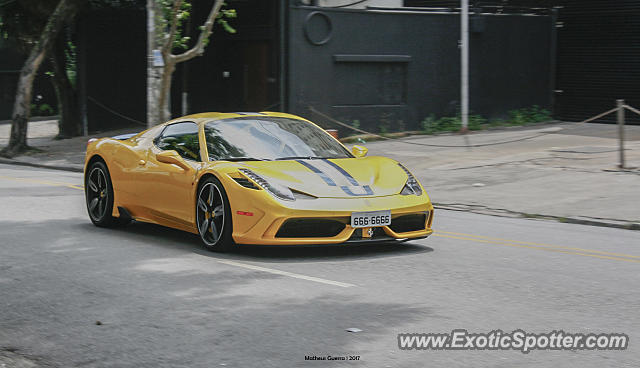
(359, 151)
(172, 157)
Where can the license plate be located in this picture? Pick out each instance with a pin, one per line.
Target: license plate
(371, 219)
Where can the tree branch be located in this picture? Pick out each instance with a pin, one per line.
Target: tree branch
(198, 48)
(177, 4)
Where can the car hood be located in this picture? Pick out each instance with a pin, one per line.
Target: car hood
(335, 178)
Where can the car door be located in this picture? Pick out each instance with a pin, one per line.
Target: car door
(168, 188)
(126, 166)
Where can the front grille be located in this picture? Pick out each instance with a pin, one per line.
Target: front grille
(310, 228)
(406, 223)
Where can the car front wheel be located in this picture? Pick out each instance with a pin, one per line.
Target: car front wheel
(213, 216)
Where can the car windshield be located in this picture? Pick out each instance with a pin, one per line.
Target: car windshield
(269, 138)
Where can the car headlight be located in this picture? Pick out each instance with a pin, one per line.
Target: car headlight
(278, 191)
(412, 186)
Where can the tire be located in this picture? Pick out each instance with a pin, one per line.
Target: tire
(213, 216)
(99, 195)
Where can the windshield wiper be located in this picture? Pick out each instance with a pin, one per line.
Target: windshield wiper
(242, 159)
(299, 158)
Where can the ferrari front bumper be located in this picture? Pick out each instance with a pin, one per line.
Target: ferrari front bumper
(265, 225)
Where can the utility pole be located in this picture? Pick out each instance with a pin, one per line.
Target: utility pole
(464, 64)
(154, 61)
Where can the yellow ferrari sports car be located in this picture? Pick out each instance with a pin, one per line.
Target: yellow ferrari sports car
(253, 178)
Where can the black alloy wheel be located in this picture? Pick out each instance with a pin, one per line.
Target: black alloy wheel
(99, 195)
(213, 216)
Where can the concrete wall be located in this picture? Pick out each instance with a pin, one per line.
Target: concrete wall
(396, 68)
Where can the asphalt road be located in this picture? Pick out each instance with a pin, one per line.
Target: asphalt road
(163, 301)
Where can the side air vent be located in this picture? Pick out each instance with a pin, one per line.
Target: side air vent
(246, 183)
(300, 195)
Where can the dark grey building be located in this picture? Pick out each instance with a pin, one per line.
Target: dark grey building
(390, 66)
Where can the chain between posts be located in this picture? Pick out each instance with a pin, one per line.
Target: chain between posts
(596, 117)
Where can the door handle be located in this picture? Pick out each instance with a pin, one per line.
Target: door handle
(142, 162)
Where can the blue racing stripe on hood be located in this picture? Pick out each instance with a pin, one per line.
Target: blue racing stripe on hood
(342, 171)
(367, 190)
(319, 172)
(352, 190)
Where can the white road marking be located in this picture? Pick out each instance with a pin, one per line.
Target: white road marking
(285, 273)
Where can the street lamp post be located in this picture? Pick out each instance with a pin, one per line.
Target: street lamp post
(464, 64)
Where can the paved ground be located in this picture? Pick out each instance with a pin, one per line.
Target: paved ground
(567, 172)
(162, 301)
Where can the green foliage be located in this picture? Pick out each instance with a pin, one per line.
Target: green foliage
(180, 41)
(429, 124)
(432, 125)
(71, 62)
(356, 124)
(41, 110)
(228, 14)
(476, 122)
(530, 115)
(524, 116)
(388, 122)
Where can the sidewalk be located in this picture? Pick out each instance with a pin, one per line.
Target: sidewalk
(567, 174)
(63, 154)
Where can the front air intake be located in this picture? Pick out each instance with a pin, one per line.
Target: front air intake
(407, 223)
(310, 228)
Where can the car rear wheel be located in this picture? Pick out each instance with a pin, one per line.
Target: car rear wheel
(99, 195)
(213, 216)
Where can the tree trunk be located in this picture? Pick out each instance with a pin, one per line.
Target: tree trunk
(165, 90)
(21, 106)
(70, 123)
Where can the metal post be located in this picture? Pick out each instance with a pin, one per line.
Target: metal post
(620, 104)
(184, 104)
(151, 70)
(464, 63)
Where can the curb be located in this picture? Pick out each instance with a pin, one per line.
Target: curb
(417, 134)
(479, 209)
(34, 118)
(498, 212)
(9, 161)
